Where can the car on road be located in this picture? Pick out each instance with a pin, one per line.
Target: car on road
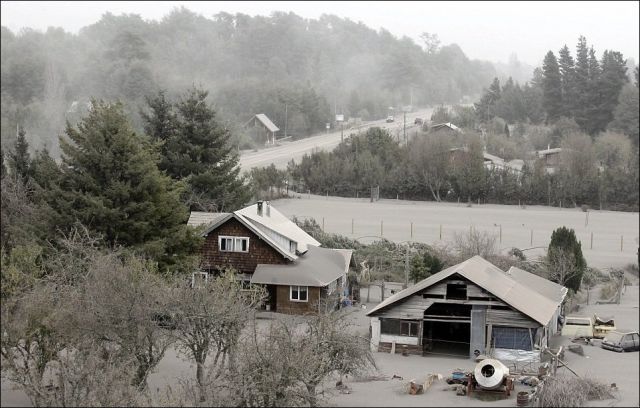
(390, 119)
(621, 341)
(418, 121)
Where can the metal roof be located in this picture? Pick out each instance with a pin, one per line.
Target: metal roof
(447, 125)
(275, 221)
(492, 279)
(318, 267)
(545, 287)
(266, 122)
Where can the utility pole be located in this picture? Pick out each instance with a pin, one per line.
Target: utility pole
(404, 126)
(285, 120)
(406, 268)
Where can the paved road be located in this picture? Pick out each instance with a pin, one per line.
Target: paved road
(282, 154)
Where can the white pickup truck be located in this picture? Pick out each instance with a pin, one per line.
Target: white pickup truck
(589, 327)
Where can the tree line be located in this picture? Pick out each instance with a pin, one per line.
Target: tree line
(282, 64)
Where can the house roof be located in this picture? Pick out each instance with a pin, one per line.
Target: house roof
(266, 122)
(542, 153)
(272, 226)
(545, 287)
(277, 222)
(197, 218)
(493, 158)
(318, 267)
(445, 125)
(518, 295)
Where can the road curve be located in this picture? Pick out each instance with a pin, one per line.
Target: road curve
(283, 153)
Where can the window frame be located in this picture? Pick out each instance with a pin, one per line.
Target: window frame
(236, 243)
(298, 291)
(409, 324)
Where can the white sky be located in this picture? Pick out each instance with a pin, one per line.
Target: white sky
(485, 30)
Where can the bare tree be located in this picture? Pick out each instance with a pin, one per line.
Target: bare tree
(561, 266)
(474, 243)
(209, 319)
(429, 160)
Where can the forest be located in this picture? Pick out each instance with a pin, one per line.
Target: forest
(310, 68)
(588, 107)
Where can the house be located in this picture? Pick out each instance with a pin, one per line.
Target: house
(262, 129)
(550, 158)
(471, 307)
(450, 127)
(267, 248)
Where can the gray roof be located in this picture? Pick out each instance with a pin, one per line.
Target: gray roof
(197, 218)
(277, 222)
(492, 279)
(267, 227)
(318, 267)
(266, 122)
(545, 287)
(445, 125)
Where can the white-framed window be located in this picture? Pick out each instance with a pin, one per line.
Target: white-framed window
(233, 244)
(299, 293)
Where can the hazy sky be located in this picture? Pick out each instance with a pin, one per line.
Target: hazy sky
(486, 30)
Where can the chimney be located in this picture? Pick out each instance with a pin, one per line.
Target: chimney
(268, 209)
(260, 208)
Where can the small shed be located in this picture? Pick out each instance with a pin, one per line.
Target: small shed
(262, 128)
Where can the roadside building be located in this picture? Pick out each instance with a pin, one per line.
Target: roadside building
(472, 307)
(262, 129)
(267, 248)
(550, 159)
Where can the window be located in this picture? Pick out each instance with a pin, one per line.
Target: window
(233, 244)
(298, 293)
(456, 291)
(513, 338)
(409, 329)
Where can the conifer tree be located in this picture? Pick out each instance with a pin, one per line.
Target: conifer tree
(594, 107)
(200, 152)
(582, 84)
(551, 87)
(567, 75)
(612, 79)
(112, 185)
(565, 258)
(19, 158)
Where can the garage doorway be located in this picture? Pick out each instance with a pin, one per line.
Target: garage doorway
(447, 330)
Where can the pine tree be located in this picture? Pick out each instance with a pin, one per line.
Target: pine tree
(551, 87)
(582, 84)
(627, 113)
(567, 75)
(485, 109)
(201, 152)
(161, 124)
(565, 258)
(112, 185)
(612, 79)
(595, 111)
(19, 158)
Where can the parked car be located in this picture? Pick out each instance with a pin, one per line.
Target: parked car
(418, 121)
(589, 327)
(390, 119)
(621, 341)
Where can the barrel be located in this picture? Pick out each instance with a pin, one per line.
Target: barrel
(523, 399)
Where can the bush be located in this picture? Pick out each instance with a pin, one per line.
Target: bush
(565, 391)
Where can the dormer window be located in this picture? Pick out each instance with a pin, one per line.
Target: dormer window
(233, 244)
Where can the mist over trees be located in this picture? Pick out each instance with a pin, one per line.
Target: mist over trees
(250, 65)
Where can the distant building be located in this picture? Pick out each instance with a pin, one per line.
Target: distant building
(550, 158)
(262, 129)
(445, 126)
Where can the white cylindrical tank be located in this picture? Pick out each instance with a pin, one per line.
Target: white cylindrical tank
(489, 373)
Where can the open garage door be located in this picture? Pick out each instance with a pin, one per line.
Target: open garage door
(447, 330)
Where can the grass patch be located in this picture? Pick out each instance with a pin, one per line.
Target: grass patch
(571, 391)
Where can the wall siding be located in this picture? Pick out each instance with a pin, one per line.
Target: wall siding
(260, 252)
(284, 305)
(385, 347)
(511, 318)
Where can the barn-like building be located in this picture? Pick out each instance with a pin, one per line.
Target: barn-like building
(470, 308)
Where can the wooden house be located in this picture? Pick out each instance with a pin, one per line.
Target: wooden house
(267, 248)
